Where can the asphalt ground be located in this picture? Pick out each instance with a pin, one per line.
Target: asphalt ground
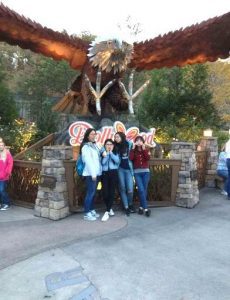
(175, 254)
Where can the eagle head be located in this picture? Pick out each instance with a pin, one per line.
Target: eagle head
(111, 55)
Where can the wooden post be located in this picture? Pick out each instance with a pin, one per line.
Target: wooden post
(44, 142)
(69, 171)
(175, 172)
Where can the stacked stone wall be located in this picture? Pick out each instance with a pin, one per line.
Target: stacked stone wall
(187, 192)
(211, 146)
(52, 197)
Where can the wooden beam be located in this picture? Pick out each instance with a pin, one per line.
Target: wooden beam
(48, 139)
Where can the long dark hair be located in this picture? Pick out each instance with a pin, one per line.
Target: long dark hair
(123, 146)
(86, 137)
(138, 137)
(112, 142)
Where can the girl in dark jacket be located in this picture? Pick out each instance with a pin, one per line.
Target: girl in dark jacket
(110, 163)
(140, 157)
(125, 172)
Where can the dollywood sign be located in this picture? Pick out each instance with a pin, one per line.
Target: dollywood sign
(77, 131)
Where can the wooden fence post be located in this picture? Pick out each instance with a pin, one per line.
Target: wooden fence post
(69, 171)
(175, 172)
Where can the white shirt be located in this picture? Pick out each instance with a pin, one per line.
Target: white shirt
(227, 149)
(91, 158)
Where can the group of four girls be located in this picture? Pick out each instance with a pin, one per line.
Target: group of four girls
(116, 163)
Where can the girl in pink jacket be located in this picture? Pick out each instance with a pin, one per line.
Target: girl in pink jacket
(6, 165)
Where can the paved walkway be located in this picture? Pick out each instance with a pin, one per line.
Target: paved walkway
(176, 254)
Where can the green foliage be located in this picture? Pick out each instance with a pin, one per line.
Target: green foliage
(223, 137)
(33, 155)
(47, 78)
(47, 120)
(19, 135)
(8, 111)
(86, 36)
(219, 75)
(178, 103)
(37, 82)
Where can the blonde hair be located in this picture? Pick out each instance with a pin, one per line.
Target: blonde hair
(3, 154)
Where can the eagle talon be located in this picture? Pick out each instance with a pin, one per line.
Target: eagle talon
(98, 106)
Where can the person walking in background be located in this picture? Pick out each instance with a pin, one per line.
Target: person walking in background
(110, 163)
(222, 169)
(6, 166)
(125, 172)
(227, 150)
(92, 170)
(140, 157)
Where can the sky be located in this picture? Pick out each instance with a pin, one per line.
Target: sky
(102, 17)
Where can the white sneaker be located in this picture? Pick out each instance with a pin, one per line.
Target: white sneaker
(105, 217)
(89, 217)
(111, 212)
(224, 193)
(95, 214)
(5, 207)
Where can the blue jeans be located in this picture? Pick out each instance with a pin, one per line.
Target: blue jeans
(224, 175)
(125, 186)
(142, 181)
(3, 193)
(91, 187)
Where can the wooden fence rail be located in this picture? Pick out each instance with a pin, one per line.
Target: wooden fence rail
(162, 187)
(23, 185)
(48, 140)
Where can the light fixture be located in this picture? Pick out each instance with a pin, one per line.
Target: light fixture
(207, 132)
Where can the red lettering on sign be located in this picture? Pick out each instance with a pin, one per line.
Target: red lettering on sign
(77, 131)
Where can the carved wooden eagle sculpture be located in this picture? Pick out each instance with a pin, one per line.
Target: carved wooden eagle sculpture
(99, 88)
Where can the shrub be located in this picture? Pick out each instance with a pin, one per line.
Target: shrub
(18, 135)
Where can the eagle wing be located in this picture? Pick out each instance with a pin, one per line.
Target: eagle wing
(18, 30)
(199, 43)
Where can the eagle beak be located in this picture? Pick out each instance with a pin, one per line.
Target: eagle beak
(118, 43)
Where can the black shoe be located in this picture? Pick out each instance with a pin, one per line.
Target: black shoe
(140, 211)
(148, 212)
(132, 209)
(127, 211)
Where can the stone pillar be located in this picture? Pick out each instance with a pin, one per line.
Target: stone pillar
(52, 197)
(211, 146)
(187, 192)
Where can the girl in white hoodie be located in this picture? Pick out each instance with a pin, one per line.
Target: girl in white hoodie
(91, 172)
